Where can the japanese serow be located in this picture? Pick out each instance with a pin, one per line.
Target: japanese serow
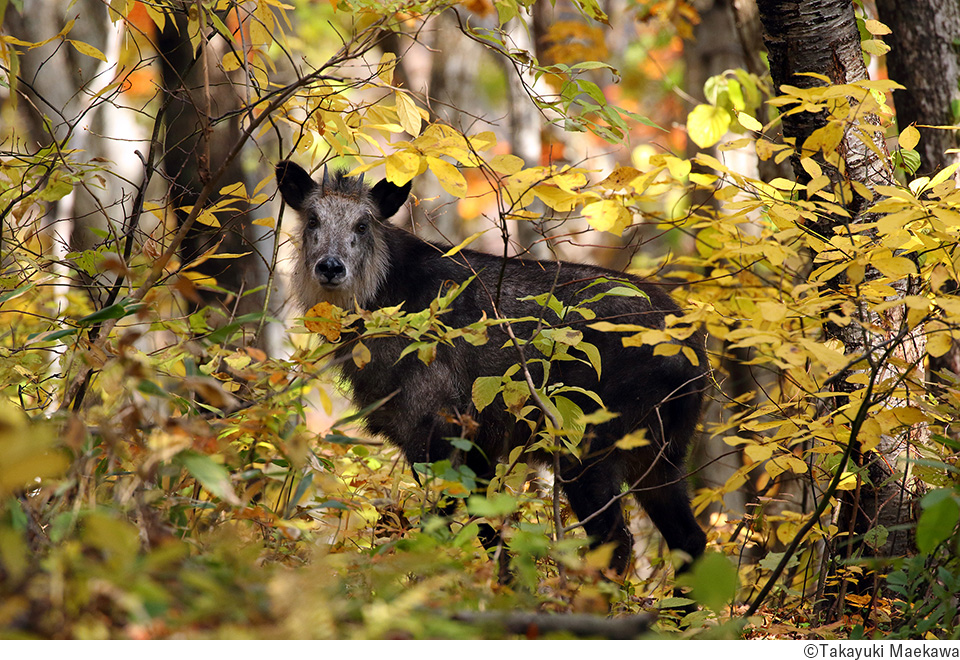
(351, 255)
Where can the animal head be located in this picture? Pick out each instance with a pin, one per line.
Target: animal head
(344, 254)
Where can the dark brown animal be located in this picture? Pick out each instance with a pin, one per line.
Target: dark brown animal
(350, 254)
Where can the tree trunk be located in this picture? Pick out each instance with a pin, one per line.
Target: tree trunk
(924, 59)
(821, 36)
(201, 126)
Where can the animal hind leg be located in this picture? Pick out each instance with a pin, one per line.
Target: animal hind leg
(666, 501)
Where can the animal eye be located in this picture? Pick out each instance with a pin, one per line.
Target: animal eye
(313, 222)
(362, 228)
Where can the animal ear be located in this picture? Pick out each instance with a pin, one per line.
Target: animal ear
(390, 197)
(294, 184)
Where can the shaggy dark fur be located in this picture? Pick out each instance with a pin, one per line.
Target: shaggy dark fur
(350, 253)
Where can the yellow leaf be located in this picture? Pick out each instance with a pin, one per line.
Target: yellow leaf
(238, 189)
(193, 28)
(679, 167)
(706, 124)
(158, 16)
(361, 355)
(909, 416)
(408, 114)
(449, 176)
(875, 47)
(87, 49)
(402, 166)
(207, 217)
(506, 164)
(230, 61)
(786, 531)
(862, 190)
(569, 180)
(817, 184)
(633, 440)
(749, 122)
(666, 349)
(599, 558)
(118, 9)
(876, 27)
(943, 174)
(909, 138)
(895, 268)
(847, 482)
(772, 311)
(261, 30)
(784, 463)
(28, 451)
(18, 42)
(325, 401)
(388, 62)
(825, 138)
(811, 167)
(622, 176)
(832, 359)
(464, 243)
(939, 343)
(607, 215)
(650, 337)
(483, 141)
(759, 453)
(856, 272)
(870, 434)
(557, 199)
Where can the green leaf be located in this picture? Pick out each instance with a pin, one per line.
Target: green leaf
(485, 390)
(500, 504)
(466, 535)
(876, 537)
(714, 580)
(220, 335)
(908, 159)
(19, 291)
(114, 311)
(119, 540)
(938, 520)
(593, 354)
(213, 476)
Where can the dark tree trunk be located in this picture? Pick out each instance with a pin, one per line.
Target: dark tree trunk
(821, 36)
(925, 59)
(201, 126)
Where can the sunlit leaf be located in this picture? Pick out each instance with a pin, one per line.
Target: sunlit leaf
(409, 114)
(706, 124)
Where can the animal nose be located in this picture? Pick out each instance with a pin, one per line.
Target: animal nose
(330, 269)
